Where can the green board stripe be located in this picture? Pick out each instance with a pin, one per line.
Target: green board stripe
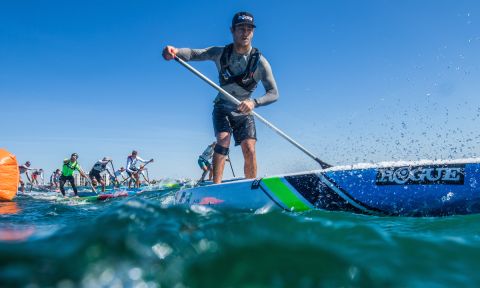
(283, 193)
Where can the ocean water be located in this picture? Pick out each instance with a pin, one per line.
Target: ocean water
(144, 241)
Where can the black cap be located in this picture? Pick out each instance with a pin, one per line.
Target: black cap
(74, 154)
(243, 18)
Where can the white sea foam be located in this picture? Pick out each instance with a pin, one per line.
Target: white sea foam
(361, 166)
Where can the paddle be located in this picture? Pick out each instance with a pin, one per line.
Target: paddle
(26, 184)
(114, 175)
(231, 167)
(125, 180)
(121, 173)
(236, 101)
(31, 187)
(141, 167)
(145, 177)
(148, 162)
(89, 181)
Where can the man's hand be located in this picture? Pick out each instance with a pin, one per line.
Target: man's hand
(246, 106)
(82, 173)
(169, 52)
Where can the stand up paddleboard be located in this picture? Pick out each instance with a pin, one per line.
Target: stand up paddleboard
(424, 188)
(404, 189)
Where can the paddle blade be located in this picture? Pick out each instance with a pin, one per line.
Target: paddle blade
(323, 164)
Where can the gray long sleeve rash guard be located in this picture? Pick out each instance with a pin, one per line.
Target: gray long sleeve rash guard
(237, 64)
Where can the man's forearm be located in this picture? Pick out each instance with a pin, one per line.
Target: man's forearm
(269, 97)
(189, 54)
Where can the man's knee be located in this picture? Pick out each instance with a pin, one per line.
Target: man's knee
(248, 146)
(219, 149)
(223, 139)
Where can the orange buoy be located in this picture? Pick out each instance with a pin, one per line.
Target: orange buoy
(9, 175)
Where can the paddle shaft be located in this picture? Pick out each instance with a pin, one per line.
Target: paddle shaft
(150, 161)
(145, 177)
(231, 167)
(265, 121)
(140, 173)
(113, 168)
(89, 181)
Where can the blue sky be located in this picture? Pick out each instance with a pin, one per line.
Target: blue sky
(359, 81)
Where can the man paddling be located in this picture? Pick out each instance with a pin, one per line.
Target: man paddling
(116, 174)
(70, 165)
(23, 169)
(132, 169)
(37, 174)
(99, 167)
(240, 68)
(55, 179)
(204, 162)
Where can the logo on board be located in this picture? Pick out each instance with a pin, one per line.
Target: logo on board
(421, 175)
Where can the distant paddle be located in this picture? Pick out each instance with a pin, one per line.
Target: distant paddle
(148, 162)
(143, 166)
(236, 101)
(125, 180)
(30, 182)
(89, 182)
(145, 177)
(231, 167)
(114, 175)
(148, 177)
(140, 171)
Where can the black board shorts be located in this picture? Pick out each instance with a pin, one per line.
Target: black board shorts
(95, 174)
(242, 126)
(130, 174)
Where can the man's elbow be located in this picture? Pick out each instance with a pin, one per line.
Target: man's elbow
(275, 97)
